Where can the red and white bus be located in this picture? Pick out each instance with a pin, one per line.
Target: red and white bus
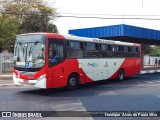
(49, 60)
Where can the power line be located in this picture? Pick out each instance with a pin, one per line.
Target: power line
(81, 14)
(138, 18)
(86, 17)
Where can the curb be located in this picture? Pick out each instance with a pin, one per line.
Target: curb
(6, 75)
(3, 85)
(149, 71)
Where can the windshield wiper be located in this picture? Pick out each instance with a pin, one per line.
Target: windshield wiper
(31, 50)
(20, 43)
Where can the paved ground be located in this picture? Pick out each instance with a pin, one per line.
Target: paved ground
(136, 93)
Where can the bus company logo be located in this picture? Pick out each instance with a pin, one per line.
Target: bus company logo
(6, 114)
(93, 64)
(106, 65)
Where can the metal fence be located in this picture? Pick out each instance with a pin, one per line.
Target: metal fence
(6, 63)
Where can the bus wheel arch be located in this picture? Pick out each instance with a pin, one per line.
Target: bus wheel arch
(73, 81)
(121, 74)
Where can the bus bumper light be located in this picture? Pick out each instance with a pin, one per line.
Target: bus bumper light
(41, 77)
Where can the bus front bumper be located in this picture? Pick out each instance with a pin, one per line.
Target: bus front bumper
(40, 83)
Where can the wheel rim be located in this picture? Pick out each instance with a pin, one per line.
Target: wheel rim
(121, 75)
(72, 81)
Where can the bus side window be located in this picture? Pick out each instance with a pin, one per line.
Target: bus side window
(75, 49)
(129, 51)
(91, 50)
(56, 52)
(103, 51)
(124, 51)
(137, 52)
(80, 52)
(110, 49)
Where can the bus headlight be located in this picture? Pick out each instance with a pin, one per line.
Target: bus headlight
(41, 77)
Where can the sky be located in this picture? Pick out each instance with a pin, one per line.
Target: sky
(106, 9)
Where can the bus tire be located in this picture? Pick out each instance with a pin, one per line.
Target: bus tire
(73, 82)
(120, 75)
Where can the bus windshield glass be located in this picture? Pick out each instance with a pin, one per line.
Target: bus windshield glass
(29, 52)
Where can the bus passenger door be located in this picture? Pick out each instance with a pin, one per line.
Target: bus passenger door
(55, 62)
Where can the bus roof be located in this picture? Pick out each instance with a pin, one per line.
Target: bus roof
(84, 39)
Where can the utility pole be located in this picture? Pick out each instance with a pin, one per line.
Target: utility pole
(142, 3)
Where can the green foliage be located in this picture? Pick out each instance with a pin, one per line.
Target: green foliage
(33, 15)
(155, 51)
(23, 16)
(152, 51)
(52, 28)
(8, 29)
(146, 49)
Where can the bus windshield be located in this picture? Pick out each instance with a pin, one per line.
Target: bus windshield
(29, 54)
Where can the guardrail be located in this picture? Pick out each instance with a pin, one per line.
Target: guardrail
(7, 67)
(6, 63)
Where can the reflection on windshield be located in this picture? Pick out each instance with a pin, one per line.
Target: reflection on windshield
(29, 55)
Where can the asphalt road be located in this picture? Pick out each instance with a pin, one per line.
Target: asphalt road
(136, 93)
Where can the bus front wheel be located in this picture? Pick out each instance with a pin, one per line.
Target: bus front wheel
(73, 82)
(120, 75)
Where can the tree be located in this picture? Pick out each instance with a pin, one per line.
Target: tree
(155, 51)
(151, 50)
(146, 49)
(8, 29)
(21, 16)
(33, 15)
(52, 28)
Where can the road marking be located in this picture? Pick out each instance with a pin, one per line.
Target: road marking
(108, 93)
(70, 107)
(149, 82)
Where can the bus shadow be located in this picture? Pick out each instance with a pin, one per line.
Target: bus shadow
(82, 91)
(95, 88)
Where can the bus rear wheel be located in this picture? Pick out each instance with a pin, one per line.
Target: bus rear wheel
(120, 75)
(73, 82)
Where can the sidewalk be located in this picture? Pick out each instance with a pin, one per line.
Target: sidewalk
(6, 80)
